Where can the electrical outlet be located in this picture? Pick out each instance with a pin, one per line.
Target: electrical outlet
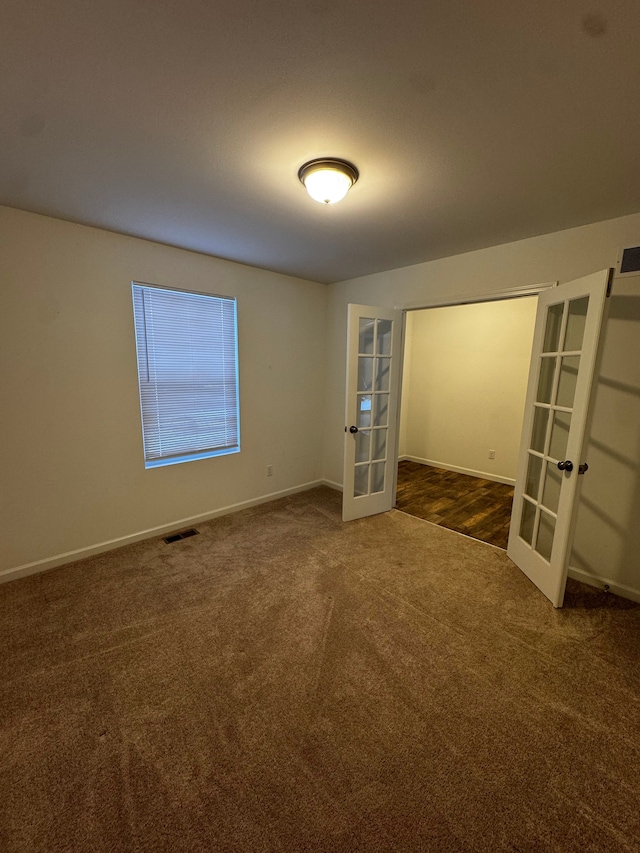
(492, 454)
(269, 470)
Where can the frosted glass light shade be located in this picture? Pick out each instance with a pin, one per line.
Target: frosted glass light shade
(327, 186)
(328, 181)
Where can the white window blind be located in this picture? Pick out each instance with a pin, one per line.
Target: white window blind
(187, 346)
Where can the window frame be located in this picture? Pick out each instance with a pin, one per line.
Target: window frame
(196, 454)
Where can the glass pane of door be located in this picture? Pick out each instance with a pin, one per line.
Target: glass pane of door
(559, 435)
(567, 383)
(534, 469)
(384, 337)
(552, 329)
(527, 521)
(576, 319)
(545, 383)
(543, 481)
(363, 412)
(381, 411)
(377, 477)
(361, 481)
(374, 339)
(546, 531)
(379, 444)
(363, 441)
(365, 373)
(539, 431)
(551, 489)
(366, 333)
(383, 366)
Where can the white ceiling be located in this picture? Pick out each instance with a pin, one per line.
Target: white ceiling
(472, 122)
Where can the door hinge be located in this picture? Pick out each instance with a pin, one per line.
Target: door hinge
(610, 281)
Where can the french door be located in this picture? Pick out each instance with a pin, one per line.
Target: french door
(554, 432)
(373, 386)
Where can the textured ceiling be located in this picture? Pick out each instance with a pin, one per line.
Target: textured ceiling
(472, 122)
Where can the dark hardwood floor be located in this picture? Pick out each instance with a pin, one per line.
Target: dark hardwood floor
(469, 505)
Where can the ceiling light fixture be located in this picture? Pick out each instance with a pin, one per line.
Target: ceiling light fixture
(328, 180)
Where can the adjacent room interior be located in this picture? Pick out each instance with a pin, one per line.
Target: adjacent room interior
(464, 382)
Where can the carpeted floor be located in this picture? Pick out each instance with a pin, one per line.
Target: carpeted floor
(286, 682)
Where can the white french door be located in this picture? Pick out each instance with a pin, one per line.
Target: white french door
(551, 459)
(373, 386)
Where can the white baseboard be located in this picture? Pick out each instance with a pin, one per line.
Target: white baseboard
(617, 588)
(483, 475)
(81, 553)
(331, 485)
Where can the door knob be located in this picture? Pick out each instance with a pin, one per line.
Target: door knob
(353, 429)
(566, 466)
(582, 469)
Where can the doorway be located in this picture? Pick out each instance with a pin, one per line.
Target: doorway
(463, 393)
(562, 366)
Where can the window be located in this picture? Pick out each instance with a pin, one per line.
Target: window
(187, 346)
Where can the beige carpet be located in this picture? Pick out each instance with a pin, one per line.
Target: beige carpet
(284, 682)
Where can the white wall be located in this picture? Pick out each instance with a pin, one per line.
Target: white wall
(465, 384)
(607, 541)
(71, 470)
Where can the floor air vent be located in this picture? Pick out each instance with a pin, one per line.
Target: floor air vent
(174, 537)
